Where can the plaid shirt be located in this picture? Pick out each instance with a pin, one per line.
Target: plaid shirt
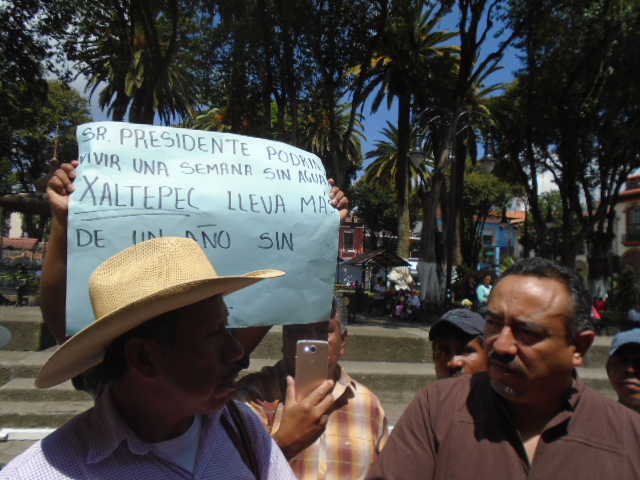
(355, 434)
(97, 444)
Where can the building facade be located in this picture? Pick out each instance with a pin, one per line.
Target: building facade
(627, 227)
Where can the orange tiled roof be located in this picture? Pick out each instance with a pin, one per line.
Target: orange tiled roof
(19, 243)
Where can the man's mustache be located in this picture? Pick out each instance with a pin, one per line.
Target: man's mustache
(507, 361)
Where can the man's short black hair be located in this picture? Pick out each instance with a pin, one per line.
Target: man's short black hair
(578, 316)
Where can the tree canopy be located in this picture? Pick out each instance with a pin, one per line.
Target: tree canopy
(301, 72)
(573, 112)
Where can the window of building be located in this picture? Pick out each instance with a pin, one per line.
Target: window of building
(487, 238)
(347, 241)
(633, 184)
(633, 228)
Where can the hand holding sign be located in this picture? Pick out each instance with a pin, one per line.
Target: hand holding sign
(250, 203)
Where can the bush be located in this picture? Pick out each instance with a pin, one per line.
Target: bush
(506, 264)
(460, 275)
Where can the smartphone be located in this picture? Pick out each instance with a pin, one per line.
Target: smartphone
(312, 366)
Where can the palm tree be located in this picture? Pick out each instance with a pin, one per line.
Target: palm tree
(406, 59)
(213, 120)
(384, 169)
(385, 165)
(137, 59)
(477, 21)
(316, 136)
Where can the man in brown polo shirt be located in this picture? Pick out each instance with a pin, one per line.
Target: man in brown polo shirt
(529, 415)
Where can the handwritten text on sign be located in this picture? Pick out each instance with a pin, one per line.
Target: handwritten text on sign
(250, 203)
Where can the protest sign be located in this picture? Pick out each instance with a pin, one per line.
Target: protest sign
(250, 203)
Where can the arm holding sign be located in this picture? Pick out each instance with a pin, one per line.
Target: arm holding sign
(53, 284)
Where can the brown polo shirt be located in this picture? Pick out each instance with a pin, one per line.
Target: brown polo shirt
(459, 428)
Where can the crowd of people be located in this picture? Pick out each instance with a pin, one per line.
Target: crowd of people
(163, 368)
(406, 304)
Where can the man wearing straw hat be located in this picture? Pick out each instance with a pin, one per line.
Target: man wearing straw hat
(160, 336)
(53, 285)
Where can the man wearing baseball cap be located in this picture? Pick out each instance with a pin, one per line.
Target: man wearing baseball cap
(623, 367)
(160, 337)
(458, 343)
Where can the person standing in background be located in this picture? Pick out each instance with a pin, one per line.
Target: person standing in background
(482, 294)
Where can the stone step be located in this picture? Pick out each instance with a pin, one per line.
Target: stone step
(364, 344)
(23, 390)
(597, 378)
(392, 382)
(28, 331)
(406, 368)
(598, 353)
(22, 364)
(395, 384)
(393, 343)
(370, 339)
(40, 414)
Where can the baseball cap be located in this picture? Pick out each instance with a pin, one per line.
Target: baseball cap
(467, 321)
(624, 338)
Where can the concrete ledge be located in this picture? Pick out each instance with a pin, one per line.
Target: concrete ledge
(24, 390)
(392, 382)
(271, 346)
(40, 414)
(365, 343)
(597, 378)
(29, 333)
(598, 353)
(8, 361)
(22, 364)
(24, 434)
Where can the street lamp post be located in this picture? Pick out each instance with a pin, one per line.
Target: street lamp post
(418, 155)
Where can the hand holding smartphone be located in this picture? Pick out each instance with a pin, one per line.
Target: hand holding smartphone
(312, 366)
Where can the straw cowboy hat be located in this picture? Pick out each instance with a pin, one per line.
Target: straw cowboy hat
(136, 285)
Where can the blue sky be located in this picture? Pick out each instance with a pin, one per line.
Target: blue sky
(375, 122)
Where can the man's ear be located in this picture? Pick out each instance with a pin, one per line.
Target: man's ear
(581, 345)
(344, 339)
(139, 355)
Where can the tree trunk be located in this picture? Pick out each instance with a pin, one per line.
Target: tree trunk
(429, 271)
(404, 131)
